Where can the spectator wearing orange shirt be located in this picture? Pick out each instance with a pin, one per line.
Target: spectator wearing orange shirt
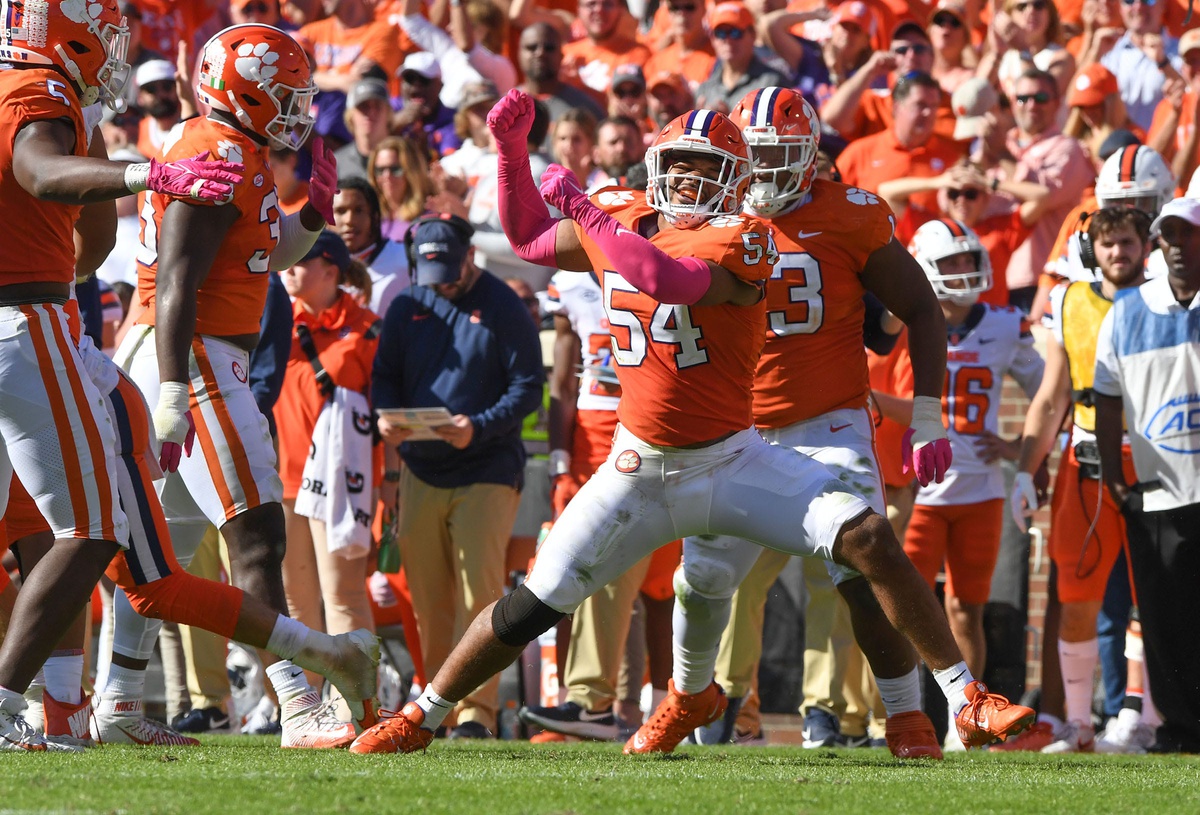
(858, 109)
(325, 584)
(345, 47)
(588, 63)
(738, 70)
(1173, 132)
(690, 52)
(909, 147)
(964, 194)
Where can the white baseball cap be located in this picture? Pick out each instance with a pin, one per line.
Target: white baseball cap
(154, 70)
(1186, 208)
(423, 63)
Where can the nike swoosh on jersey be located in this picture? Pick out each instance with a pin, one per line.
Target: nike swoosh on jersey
(833, 429)
(986, 340)
(802, 235)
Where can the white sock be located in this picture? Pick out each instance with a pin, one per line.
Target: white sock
(1077, 662)
(287, 679)
(133, 635)
(436, 708)
(901, 694)
(287, 637)
(697, 626)
(64, 676)
(126, 682)
(953, 681)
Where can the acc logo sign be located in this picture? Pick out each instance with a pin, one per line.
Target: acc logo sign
(239, 372)
(628, 462)
(1175, 427)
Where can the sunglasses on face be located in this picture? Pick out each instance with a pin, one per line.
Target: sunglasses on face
(1039, 5)
(947, 21)
(1041, 98)
(917, 49)
(393, 170)
(673, 9)
(729, 33)
(627, 92)
(970, 194)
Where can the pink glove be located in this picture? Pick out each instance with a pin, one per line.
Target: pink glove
(559, 189)
(510, 121)
(172, 452)
(925, 448)
(195, 178)
(323, 183)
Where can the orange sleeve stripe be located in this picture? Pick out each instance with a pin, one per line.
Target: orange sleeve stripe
(229, 431)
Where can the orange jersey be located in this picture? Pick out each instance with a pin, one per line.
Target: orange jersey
(336, 48)
(230, 300)
(872, 159)
(40, 244)
(695, 66)
(589, 65)
(814, 360)
(685, 371)
(891, 374)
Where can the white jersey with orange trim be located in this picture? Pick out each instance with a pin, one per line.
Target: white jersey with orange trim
(580, 299)
(993, 342)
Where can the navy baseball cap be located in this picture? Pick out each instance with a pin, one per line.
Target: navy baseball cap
(332, 248)
(439, 249)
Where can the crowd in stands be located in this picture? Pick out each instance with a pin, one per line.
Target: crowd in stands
(996, 117)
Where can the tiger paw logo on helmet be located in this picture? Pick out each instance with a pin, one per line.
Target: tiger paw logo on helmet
(256, 61)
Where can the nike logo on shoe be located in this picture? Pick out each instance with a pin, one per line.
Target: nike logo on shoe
(589, 716)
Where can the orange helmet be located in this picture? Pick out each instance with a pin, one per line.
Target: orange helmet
(86, 39)
(783, 132)
(261, 76)
(701, 133)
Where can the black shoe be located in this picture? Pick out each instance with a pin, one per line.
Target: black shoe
(471, 730)
(571, 719)
(206, 720)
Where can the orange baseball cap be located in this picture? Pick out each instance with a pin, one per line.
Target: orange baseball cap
(855, 13)
(731, 14)
(1092, 86)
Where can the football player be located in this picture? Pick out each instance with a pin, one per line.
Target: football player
(811, 389)
(682, 274)
(60, 58)
(202, 280)
(958, 521)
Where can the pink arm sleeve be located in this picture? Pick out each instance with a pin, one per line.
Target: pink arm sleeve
(641, 263)
(523, 213)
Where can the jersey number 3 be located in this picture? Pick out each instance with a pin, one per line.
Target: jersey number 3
(670, 325)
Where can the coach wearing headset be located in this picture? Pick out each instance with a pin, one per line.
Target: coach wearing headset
(458, 338)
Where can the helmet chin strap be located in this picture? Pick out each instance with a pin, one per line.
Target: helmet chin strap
(88, 94)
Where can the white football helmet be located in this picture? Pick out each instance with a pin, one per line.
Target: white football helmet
(708, 133)
(943, 238)
(1135, 176)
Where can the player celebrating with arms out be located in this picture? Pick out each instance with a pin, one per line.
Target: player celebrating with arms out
(61, 57)
(202, 278)
(686, 459)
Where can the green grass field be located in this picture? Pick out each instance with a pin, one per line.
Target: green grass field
(243, 775)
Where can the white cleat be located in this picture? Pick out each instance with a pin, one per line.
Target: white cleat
(121, 720)
(353, 668)
(16, 733)
(1125, 734)
(309, 723)
(1073, 737)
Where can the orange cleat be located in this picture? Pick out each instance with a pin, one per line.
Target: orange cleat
(547, 737)
(396, 733)
(677, 716)
(67, 725)
(989, 717)
(1039, 735)
(911, 735)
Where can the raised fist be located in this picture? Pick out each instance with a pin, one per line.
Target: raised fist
(510, 121)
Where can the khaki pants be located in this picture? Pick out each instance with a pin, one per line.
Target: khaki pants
(836, 676)
(324, 591)
(453, 543)
(598, 634)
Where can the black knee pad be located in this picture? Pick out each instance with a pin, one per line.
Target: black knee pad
(519, 618)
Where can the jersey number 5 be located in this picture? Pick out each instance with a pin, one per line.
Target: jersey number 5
(967, 395)
(670, 325)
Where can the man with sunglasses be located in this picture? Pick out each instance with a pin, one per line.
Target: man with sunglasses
(858, 109)
(539, 56)
(738, 70)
